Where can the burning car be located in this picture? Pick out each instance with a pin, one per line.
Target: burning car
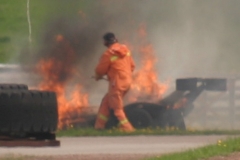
(170, 111)
(146, 106)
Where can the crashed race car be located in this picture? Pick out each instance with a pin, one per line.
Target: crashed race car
(171, 110)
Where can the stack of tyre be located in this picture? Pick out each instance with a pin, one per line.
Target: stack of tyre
(27, 111)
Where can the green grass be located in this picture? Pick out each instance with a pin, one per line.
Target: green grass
(14, 24)
(16, 157)
(114, 132)
(222, 148)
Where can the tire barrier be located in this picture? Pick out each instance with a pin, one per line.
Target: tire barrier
(27, 111)
(13, 87)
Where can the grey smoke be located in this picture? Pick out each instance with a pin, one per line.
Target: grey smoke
(191, 37)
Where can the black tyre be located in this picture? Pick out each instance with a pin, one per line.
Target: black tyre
(17, 114)
(112, 121)
(26, 108)
(37, 111)
(28, 112)
(44, 109)
(50, 115)
(46, 115)
(13, 87)
(5, 112)
(139, 118)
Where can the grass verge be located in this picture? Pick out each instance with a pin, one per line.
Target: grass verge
(17, 157)
(222, 148)
(14, 29)
(114, 132)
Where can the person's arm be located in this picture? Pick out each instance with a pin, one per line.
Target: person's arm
(103, 66)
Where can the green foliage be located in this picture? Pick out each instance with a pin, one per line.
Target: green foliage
(222, 148)
(15, 157)
(14, 25)
(73, 132)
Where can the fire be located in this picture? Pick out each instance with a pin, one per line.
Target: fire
(146, 86)
(58, 71)
(57, 74)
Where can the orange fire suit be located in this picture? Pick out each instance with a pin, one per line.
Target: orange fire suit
(118, 65)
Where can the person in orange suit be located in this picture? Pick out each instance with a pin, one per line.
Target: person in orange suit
(118, 65)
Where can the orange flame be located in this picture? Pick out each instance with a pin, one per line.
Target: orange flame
(51, 70)
(146, 86)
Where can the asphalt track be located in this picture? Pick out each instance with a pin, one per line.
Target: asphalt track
(149, 145)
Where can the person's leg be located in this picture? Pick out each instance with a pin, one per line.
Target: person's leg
(115, 101)
(103, 114)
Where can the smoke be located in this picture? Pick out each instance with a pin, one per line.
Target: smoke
(198, 38)
(76, 41)
(190, 38)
